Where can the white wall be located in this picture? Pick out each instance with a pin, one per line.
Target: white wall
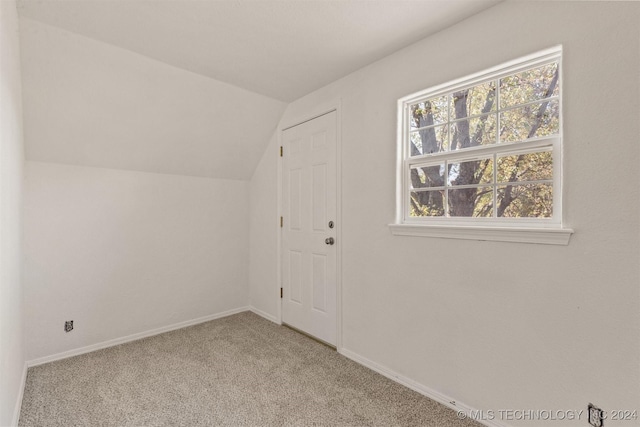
(263, 221)
(500, 325)
(11, 163)
(123, 252)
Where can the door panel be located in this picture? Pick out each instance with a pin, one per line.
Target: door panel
(308, 204)
(319, 282)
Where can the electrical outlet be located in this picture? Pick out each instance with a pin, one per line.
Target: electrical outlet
(68, 326)
(596, 415)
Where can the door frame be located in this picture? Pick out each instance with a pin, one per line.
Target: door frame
(297, 119)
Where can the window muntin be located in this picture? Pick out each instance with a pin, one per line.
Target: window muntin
(486, 150)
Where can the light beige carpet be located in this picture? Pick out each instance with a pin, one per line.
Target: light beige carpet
(241, 370)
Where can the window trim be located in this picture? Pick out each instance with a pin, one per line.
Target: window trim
(527, 230)
(543, 236)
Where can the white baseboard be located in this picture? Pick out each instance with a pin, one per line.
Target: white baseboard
(264, 314)
(415, 386)
(18, 407)
(134, 337)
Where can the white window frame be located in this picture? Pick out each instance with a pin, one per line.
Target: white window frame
(527, 230)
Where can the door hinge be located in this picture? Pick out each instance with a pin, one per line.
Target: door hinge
(281, 222)
(281, 151)
(280, 292)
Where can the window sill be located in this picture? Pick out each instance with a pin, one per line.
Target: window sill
(542, 236)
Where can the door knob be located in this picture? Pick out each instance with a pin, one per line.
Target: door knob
(329, 241)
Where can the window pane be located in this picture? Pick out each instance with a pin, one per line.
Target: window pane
(473, 132)
(427, 203)
(471, 202)
(430, 140)
(428, 176)
(430, 112)
(525, 201)
(525, 167)
(530, 121)
(474, 101)
(531, 85)
(471, 173)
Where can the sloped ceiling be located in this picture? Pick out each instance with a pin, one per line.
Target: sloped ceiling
(88, 103)
(280, 48)
(195, 87)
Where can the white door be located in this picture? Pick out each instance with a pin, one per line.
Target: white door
(309, 256)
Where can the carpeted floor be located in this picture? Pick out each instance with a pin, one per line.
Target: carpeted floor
(241, 370)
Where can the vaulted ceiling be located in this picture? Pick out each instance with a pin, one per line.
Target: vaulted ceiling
(195, 87)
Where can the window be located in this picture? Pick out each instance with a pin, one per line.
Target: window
(485, 151)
